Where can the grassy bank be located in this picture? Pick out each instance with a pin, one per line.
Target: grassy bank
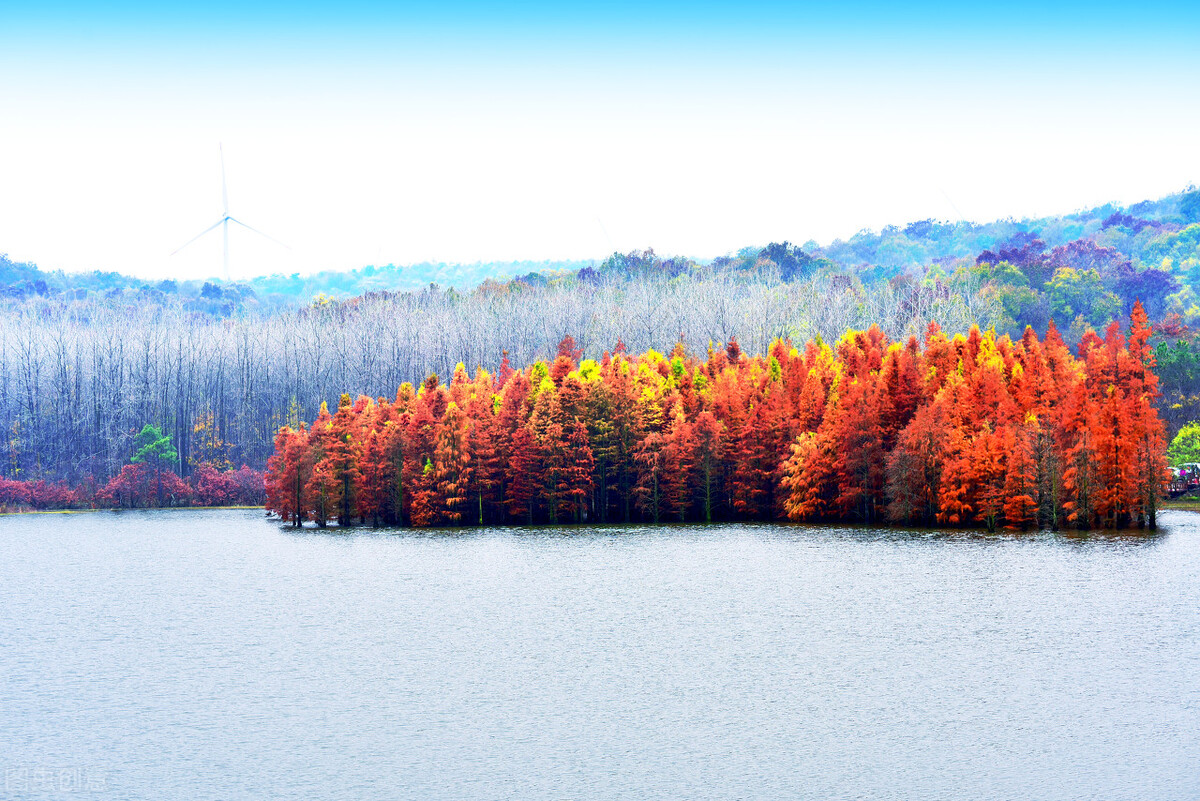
(1189, 503)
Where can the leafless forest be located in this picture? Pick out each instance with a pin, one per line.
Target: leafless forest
(79, 379)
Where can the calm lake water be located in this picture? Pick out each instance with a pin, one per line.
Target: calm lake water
(216, 655)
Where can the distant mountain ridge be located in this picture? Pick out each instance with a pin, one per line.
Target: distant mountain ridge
(1141, 235)
(269, 292)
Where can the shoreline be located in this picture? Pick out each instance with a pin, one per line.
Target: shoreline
(1192, 505)
(117, 509)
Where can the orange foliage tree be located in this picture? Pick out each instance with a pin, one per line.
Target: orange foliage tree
(964, 430)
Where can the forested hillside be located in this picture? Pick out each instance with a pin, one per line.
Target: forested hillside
(86, 361)
(1106, 254)
(263, 294)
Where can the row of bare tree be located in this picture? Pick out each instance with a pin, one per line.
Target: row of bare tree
(78, 380)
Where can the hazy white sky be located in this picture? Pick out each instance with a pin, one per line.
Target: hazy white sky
(435, 138)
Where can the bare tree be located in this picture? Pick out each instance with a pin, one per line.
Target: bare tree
(78, 379)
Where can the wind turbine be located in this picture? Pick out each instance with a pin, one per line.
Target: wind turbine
(224, 222)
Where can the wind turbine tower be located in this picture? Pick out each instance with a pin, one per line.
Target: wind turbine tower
(224, 222)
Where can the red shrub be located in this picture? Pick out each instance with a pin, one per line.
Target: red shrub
(138, 487)
(13, 493)
(212, 487)
(44, 495)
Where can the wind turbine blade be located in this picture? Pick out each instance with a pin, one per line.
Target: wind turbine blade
(224, 188)
(197, 236)
(260, 233)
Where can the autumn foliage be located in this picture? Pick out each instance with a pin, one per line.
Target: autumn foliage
(139, 486)
(972, 430)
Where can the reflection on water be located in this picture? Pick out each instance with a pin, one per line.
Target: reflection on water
(216, 654)
(775, 530)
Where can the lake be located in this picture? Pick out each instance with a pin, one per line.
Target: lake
(218, 655)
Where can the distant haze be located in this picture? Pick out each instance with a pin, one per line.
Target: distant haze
(372, 135)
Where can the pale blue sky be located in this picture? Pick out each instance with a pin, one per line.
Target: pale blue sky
(382, 133)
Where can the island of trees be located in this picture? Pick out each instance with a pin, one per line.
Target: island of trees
(975, 430)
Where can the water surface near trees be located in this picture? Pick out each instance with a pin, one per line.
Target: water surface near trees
(216, 654)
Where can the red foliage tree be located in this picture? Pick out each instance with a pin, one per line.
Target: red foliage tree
(288, 472)
(523, 478)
